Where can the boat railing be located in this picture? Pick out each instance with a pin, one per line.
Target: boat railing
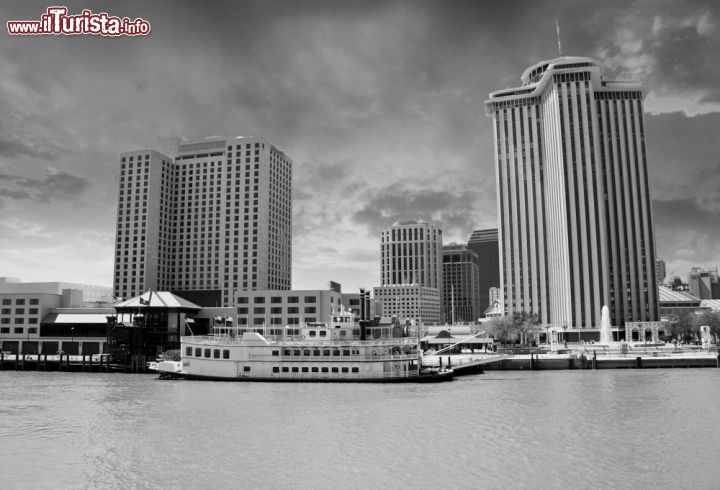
(225, 340)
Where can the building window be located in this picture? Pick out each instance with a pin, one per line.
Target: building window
(310, 299)
(259, 299)
(188, 351)
(18, 330)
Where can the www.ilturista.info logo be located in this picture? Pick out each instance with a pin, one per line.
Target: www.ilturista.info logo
(57, 21)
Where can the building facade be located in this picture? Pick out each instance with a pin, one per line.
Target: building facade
(461, 297)
(411, 254)
(209, 215)
(703, 283)
(660, 270)
(48, 317)
(574, 206)
(409, 301)
(485, 244)
(495, 295)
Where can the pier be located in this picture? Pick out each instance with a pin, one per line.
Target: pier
(89, 363)
(580, 358)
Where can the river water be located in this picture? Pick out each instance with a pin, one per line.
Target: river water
(513, 429)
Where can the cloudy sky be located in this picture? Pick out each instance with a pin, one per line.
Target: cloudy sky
(378, 103)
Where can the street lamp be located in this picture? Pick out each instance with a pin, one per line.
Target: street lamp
(72, 338)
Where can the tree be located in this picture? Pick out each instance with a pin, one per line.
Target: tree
(684, 326)
(513, 328)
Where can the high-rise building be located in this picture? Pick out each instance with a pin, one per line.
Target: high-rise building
(485, 244)
(495, 295)
(660, 270)
(576, 227)
(460, 284)
(208, 217)
(411, 255)
(703, 283)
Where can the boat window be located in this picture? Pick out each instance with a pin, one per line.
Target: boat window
(198, 352)
(356, 331)
(336, 352)
(286, 352)
(276, 369)
(312, 333)
(304, 370)
(334, 370)
(207, 352)
(323, 333)
(296, 352)
(306, 352)
(316, 352)
(343, 333)
(295, 370)
(216, 353)
(324, 370)
(276, 352)
(285, 369)
(326, 352)
(246, 368)
(344, 370)
(188, 351)
(355, 370)
(314, 370)
(226, 353)
(346, 352)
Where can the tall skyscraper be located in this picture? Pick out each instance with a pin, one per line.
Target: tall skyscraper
(209, 216)
(411, 255)
(460, 284)
(576, 228)
(485, 244)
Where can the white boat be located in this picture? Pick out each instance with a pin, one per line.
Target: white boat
(333, 351)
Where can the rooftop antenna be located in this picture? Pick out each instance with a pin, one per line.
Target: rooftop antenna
(557, 27)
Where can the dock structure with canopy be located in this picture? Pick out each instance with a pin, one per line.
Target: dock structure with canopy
(149, 324)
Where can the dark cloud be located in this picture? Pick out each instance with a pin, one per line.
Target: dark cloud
(56, 186)
(10, 148)
(454, 212)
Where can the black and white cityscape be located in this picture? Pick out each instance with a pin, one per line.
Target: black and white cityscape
(373, 192)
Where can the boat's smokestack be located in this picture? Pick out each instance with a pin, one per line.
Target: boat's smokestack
(364, 314)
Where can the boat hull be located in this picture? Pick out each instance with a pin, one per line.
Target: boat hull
(434, 377)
